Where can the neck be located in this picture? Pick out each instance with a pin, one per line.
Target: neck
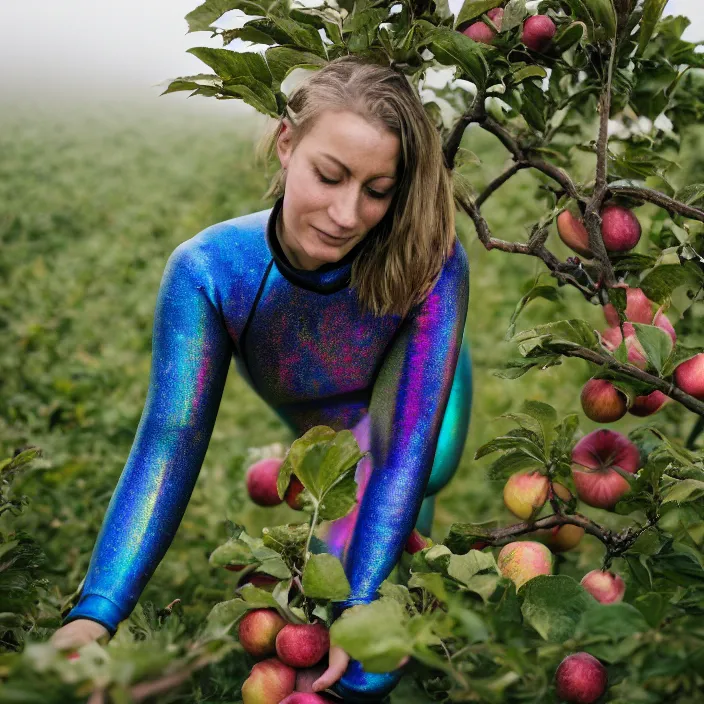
(290, 255)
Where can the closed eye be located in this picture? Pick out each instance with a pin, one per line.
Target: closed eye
(372, 193)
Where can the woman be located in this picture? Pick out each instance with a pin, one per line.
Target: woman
(343, 305)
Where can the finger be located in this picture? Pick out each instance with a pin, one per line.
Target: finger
(338, 662)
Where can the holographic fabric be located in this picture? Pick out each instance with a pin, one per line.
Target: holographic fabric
(301, 341)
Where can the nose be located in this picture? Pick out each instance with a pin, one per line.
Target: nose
(343, 211)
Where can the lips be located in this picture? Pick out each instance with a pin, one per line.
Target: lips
(339, 239)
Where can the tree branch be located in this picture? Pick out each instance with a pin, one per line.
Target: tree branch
(535, 248)
(660, 199)
(454, 139)
(499, 181)
(666, 387)
(592, 217)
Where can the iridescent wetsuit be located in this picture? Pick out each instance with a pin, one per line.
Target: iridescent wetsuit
(302, 342)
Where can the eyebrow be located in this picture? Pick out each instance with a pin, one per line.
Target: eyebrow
(337, 161)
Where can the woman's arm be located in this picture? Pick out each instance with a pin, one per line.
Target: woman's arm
(407, 407)
(191, 352)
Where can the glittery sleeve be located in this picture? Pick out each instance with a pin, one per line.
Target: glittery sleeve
(407, 408)
(191, 352)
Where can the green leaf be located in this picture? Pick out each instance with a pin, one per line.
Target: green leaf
(431, 582)
(452, 48)
(546, 416)
(514, 14)
(476, 571)
(233, 552)
(511, 443)
(568, 36)
(509, 463)
(614, 622)
(652, 11)
(462, 536)
(555, 336)
(515, 368)
(375, 634)
(657, 344)
(597, 14)
(303, 36)
(690, 194)
(290, 538)
(545, 291)
(232, 65)
(341, 456)
(284, 59)
(202, 80)
(553, 605)
(683, 491)
(296, 453)
(204, 15)
(339, 500)
(324, 578)
(474, 8)
(520, 74)
(254, 93)
(659, 283)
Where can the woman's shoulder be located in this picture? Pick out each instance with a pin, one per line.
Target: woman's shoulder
(230, 244)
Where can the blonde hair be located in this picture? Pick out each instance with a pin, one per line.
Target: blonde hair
(403, 255)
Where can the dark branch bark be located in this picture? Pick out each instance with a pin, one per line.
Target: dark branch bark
(535, 248)
(666, 387)
(660, 199)
(454, 139)
(499, 181)
(592, 218)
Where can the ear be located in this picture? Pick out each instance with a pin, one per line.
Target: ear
(284, 143)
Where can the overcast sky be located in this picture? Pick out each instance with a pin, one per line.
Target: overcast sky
(96, 49)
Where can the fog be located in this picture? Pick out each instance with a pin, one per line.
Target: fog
(87, 51)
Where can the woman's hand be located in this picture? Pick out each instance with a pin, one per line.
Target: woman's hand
(338, 660)
(78, 633)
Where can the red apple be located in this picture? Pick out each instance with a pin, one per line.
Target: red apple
(663, 322)
(603, 402)
(647, 405)
(525, 493)
(689, 376)
(522, 560)
(258, 629)
(269, 682)
(480, 31)
(305, 698)
(306, 677)
(261, 482)
(620, 228)
(302, 645)
(580, 679)
(593, 460)
(293, 493)
(639, 308)
(605, 587)
(538, 31)
(573, 233)
(235, 568)
(415, 542)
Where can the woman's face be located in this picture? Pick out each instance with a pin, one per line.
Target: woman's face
(323, 221)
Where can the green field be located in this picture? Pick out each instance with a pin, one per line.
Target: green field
(91, 206)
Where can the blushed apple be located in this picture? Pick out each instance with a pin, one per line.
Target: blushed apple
(647, 405)
(689, 376)
(269, 682)
(261, 482)
(593, 460)
(605, 587)
(620, 228)
(525, 493)
(302, 645)
(258, 629)
(639, 308)
(580, 679)
(520, 561)
(538, 31)
(573, 233)
(602, 402)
